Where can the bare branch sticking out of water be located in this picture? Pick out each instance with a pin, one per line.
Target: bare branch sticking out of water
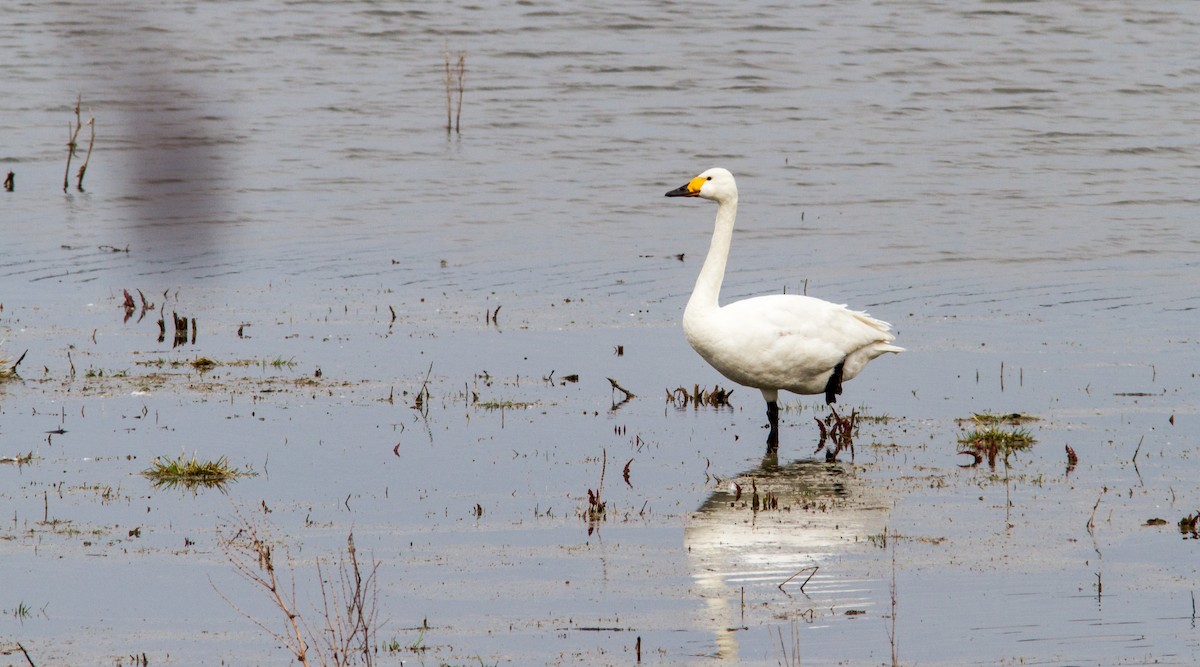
(347, 636)
(253, 557)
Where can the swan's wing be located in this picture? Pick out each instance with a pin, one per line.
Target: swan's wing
(791, 316)
(795, 341)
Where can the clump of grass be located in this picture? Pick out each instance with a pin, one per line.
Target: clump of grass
(193, 473)
(991, 419)
(280, 362)
(992, 442)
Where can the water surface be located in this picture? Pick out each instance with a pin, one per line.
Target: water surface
(1010, 184)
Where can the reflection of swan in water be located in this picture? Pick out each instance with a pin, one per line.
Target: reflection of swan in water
(813, 511)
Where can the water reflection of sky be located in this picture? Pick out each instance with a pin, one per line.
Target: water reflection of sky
(1011, 189)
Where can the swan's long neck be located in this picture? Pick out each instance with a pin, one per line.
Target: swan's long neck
(707, 292)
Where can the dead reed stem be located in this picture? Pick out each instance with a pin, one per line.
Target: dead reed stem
(462, 75)
(892, 630)
(449, 95)
(1092, 519)
(73, 143)
(30, 660)
(91, 143)
(455, 79)
(813, 572)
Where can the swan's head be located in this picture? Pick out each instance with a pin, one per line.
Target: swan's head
(716, 184)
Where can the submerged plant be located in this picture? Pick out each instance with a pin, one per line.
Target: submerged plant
(193, 473)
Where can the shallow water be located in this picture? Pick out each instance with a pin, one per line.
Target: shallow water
(1010, 184)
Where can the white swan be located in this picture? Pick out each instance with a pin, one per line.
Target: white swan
(774, 342)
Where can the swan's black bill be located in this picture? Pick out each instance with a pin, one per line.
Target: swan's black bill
(682, 191)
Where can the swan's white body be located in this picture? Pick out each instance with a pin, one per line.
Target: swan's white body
(782, 341)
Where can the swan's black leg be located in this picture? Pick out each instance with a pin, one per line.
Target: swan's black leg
(773, 418)
(834, 386)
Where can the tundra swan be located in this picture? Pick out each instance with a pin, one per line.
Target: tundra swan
(779, 341)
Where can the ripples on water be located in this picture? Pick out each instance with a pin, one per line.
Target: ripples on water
(996, 147)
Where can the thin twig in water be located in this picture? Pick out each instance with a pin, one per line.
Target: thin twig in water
(72, 141)
(617, 387)
(1092, 520)
(452, 113)
(449, 96)
(892, 630)
(91, 142)
(799, 572)
(30, 660)
(462, 74)
(794, 659)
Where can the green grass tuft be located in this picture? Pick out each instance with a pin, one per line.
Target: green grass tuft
(1004, 441)
(990, 419)
(192, 473)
